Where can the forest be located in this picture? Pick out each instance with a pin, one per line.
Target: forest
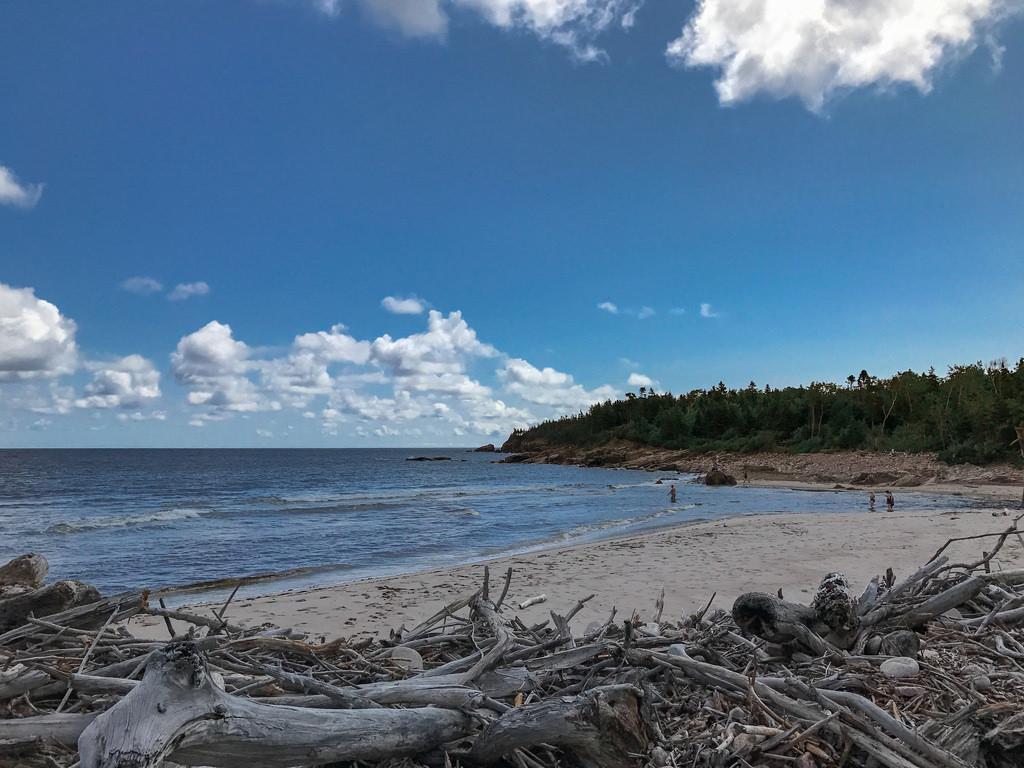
(972, 414)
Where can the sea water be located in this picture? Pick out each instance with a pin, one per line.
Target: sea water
(128, 519)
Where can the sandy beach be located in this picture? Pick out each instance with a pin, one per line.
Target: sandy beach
(724, 557)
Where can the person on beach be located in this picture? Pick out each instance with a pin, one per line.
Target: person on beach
(672, 493)
(890, 501)
(871, 501)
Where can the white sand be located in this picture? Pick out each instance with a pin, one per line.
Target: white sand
(763, 552)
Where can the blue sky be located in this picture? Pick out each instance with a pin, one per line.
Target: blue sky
(840, 182)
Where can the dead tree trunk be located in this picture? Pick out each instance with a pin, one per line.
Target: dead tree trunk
(178, 710)
(603, 728)
(777, 621)
(55, 598)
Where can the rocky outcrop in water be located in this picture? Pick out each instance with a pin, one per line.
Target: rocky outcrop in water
(718, 477)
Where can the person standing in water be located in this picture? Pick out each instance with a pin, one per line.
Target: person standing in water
(871, 501)
(890, 501)
(672, 493)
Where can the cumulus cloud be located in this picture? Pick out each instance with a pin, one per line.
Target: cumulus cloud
(434, 361)
(15, 193)
(142, 285)
(639, 380)
(547, 386)
(706, 310)
(334, 346)
(128, 382)
(418, 384)
(407, 306)
(609, 307)
(215, 367)
(184, 291)
(36, 340)
(644, 312)
(810, 50)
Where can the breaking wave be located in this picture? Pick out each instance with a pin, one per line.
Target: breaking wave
(162, 517)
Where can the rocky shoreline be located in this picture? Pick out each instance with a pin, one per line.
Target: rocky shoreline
(855, 469)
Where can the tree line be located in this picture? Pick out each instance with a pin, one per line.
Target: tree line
(969, 415)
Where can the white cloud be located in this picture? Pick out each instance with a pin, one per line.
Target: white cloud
(614, 309)
(334, 346)
(215, 367)
(140, 416)
(142, 285)
(36, 340)
(264, 433)
(16, 193)
(184, 291)
(407, 306)
(128, 382)
(420, 382)
(707, 311)
(574, 24)
(812, 48)
(546, 386)
(434, 360)
(639, 380)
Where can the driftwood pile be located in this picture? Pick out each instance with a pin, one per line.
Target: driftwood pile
(923, 672)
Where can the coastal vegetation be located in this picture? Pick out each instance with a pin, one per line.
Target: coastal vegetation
(971, 414)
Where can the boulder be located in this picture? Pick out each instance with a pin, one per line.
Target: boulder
(718, 477)
(900, 667)
(489, 448)
(24, 571)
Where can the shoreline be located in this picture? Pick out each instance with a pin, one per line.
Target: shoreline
(214, 592)
(690, 560)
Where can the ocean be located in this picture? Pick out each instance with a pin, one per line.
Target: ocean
(128, 519)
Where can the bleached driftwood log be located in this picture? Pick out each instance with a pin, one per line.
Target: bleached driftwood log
(603, 728)
(48, 600)
(178, 710)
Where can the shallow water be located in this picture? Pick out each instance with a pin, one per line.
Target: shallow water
(126, 519)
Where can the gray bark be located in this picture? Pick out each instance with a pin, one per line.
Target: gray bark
(603, 728)
(178, 711)
(46, 601)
